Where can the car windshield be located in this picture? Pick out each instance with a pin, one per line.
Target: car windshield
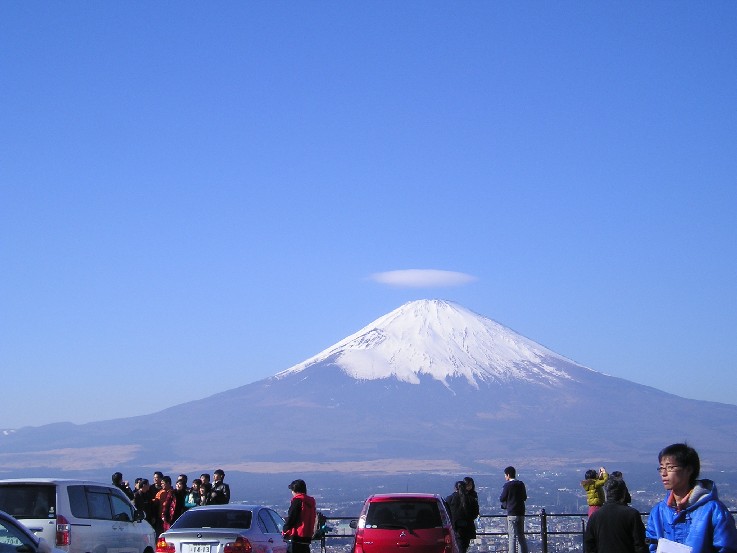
(403, 514)
(215, 518)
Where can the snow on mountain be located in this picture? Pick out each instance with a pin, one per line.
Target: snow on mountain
(443, 340)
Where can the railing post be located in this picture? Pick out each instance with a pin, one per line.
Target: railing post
(583, 534)
(544, 530)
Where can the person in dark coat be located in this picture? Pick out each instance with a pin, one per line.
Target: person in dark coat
(615, 527)
(122, 485)
(143, 502)
(220, 491)
(618, 475)
(462, 515)
(513, 497)
(474, 496)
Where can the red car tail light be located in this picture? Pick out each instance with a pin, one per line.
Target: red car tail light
(63, 531)
(448, 540)
(163, 547)
(240, 545)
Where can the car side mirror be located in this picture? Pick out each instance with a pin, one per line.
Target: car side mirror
(353, 524)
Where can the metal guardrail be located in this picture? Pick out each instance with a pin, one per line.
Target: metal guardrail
(543, 530)
(491, 528)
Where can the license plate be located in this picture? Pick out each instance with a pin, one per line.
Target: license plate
(199, 548)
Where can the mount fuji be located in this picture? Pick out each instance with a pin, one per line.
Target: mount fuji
(428, 386)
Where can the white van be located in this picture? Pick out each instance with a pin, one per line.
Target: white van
(78, 516)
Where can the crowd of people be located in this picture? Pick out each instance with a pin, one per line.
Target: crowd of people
(690, 515)
(163, 503)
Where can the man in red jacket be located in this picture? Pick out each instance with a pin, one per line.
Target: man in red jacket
(300, 524)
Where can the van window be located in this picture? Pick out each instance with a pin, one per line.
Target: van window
(122, 508)
(28, 500)
(99, 505)
(78, 501)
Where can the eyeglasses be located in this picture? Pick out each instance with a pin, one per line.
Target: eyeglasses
(669, 468)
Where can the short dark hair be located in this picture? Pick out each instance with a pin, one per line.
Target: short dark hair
(615, 489)
(590, 474)
(685, 456)
(298, 486)
(616, 474)
(166, 479)
(511, 472)
(221, 472)
(117, 477)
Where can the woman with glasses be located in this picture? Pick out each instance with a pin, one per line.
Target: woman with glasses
(691, 513)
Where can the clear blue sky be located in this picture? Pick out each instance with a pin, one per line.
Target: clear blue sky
(195, 195)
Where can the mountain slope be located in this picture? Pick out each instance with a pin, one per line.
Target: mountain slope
(430, 384)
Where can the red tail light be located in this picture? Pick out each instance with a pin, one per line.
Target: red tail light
(240, 545)
(448, 540)
(163, 547)
(63, 531)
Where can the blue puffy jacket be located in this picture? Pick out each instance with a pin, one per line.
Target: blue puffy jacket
(705, 524)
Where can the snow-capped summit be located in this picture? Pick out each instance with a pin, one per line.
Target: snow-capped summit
(443, 340)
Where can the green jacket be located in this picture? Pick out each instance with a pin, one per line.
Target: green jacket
(594, 490)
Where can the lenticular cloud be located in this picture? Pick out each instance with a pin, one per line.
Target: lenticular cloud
(422, 278)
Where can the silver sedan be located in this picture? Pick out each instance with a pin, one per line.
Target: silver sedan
(225, 529)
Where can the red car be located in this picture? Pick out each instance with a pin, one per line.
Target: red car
(404, 522)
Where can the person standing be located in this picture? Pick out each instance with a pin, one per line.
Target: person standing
(144, 502)
(300, 523)
(513, 497)
(193, 496)
(619, 476)
(166, 503)
(616, 527)
(220, 492)
(593, 485)
(691, 513)
(474, 498)
(205, 488)
(180, 497)
(122, 485)
(462, 515)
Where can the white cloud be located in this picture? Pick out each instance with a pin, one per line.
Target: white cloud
(422, 278)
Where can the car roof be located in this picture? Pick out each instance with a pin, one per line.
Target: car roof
(403, 496)
(52, 481)
(227, 507)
